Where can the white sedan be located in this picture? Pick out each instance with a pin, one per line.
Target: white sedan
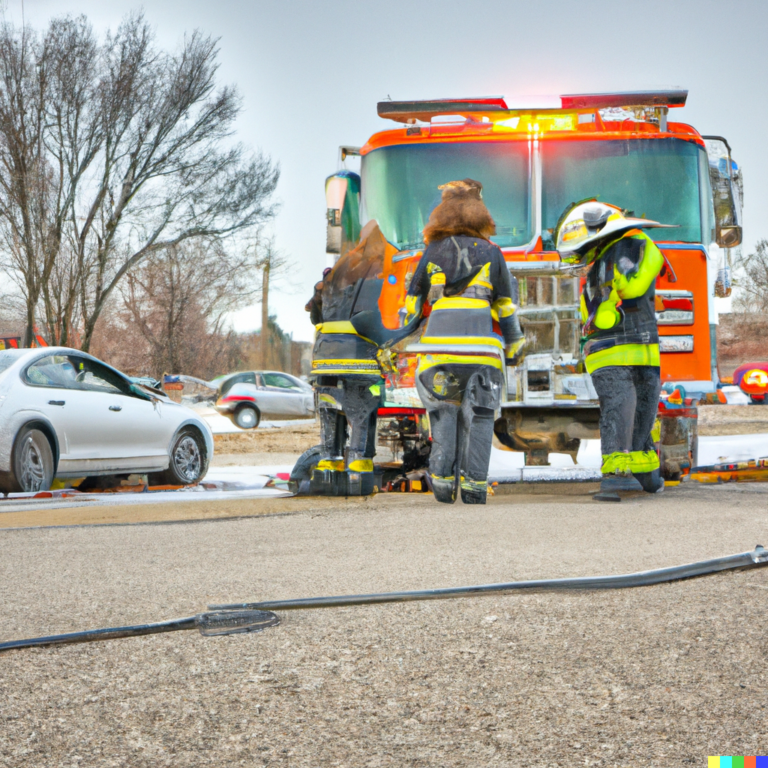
(64, 414)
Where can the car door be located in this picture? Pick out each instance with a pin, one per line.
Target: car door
(100, 428)
(287, 398)
(132, 432)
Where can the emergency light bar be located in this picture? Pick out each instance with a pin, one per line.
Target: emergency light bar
(496, 108)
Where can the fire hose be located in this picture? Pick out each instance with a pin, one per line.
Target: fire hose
(254, 617)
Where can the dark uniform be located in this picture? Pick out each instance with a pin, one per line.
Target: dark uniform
(462, 352)
(621, 347)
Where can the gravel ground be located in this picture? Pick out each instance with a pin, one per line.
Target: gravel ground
(659, 676)
(717, 420)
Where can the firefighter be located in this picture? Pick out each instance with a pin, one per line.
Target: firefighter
(620, 339)
(345, 370)
(463, 279)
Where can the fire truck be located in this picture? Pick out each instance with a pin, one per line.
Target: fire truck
(534, 158)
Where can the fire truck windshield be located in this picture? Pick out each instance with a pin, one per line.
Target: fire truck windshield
(656, 179)
(400, 187)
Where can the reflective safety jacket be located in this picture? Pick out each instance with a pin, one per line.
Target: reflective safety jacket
(477, 292)
(618, 303)
(345, 310)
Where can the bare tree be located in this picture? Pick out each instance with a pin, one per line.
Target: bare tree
(112, 152)
(174, 306)
(753, 281)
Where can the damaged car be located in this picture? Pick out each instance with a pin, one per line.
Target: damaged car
(65, 414)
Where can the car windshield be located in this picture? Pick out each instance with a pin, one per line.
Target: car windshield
(656, 179)
(8, 357)
(400, 187)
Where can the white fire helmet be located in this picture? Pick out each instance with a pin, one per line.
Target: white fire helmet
(584, 224)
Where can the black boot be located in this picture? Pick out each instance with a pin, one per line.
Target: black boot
(474, 492)
(444, 490)
(612, 484)
(651, 482)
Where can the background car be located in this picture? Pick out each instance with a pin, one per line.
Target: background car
(248, 396)
(65, 414)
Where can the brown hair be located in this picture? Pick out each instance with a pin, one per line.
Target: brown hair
(460, 212)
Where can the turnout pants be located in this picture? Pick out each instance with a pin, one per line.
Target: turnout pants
(461, 401)
(629, 399)
(348, 408)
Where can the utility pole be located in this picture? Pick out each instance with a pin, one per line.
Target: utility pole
(265, 334)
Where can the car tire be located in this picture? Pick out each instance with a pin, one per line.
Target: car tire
(31, 462)
(188, 460)
(247, 417)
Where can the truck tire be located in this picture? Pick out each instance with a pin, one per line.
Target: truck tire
(31, 462)
(188, 460)
(247, 417)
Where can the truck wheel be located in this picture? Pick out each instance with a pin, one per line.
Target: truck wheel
(247, 417)
(188, 460)
(32, 463)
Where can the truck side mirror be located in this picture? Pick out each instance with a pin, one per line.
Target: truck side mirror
(342, 199)
(725, 178)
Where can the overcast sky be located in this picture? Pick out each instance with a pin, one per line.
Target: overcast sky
(311, 71)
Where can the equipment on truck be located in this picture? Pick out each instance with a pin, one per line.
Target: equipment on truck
(533, 160)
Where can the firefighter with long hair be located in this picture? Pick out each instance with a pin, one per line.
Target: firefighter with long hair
(472, 327)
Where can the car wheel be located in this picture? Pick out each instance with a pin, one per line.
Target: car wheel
(32, 461)
(247, 417)
(188, 460)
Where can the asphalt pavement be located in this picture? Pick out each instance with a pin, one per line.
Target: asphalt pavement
(657, 676)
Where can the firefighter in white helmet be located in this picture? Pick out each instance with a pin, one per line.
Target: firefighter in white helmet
(620, 339)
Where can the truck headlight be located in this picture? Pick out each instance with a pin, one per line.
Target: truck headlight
(676, 344)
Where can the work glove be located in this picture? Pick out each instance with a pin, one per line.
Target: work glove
(513, 351)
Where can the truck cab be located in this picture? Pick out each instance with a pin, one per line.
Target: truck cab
(533, 161)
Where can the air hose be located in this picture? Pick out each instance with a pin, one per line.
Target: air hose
(253, 617)
(755, 559)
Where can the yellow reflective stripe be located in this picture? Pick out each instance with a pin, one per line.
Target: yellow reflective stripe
(474, 485)
(616, 463)
(345, 366)
(449, 478)
(583, 309)
(643, 461)
(503, 307)
(656, 431)
(338, 326)
(492, 341)
(361, 465)
(483, 277)
(335, 465)
(429, 361)
(438, 278)
(624, 354)
(648, 269)
(458, 302)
